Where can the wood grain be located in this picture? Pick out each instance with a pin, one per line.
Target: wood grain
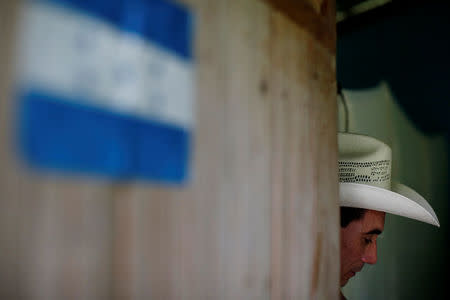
(315, 16)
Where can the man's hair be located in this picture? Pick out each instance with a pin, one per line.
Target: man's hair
(350, 214)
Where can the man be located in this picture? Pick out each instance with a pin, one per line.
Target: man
(366, 195)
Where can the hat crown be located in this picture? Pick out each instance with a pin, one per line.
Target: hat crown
(364, 159)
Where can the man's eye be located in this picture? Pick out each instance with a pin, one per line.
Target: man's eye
(367, 241)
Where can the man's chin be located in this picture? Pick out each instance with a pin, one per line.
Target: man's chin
(346, 278)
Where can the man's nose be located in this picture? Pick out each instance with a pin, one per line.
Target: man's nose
(370, 254)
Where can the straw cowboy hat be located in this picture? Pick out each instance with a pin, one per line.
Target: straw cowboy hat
(365, 180)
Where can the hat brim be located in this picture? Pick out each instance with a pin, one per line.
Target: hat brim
(402, 201)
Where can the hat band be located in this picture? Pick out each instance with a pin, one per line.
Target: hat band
(375, 173)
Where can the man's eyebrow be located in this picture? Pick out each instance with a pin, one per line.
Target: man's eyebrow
(374, 231)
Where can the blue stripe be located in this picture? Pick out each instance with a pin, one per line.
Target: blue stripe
(64, 136)
(163, 22)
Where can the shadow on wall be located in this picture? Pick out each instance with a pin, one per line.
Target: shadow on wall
(408, 47)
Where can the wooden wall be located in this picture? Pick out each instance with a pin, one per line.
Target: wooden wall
(259, 219)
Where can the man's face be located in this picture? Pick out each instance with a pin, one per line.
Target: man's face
(359, 243)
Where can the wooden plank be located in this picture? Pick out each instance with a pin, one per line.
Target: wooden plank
(297, 197)
(247, 213)
(278, 159)
(10, 208)
(259, 218)
(202, 222)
